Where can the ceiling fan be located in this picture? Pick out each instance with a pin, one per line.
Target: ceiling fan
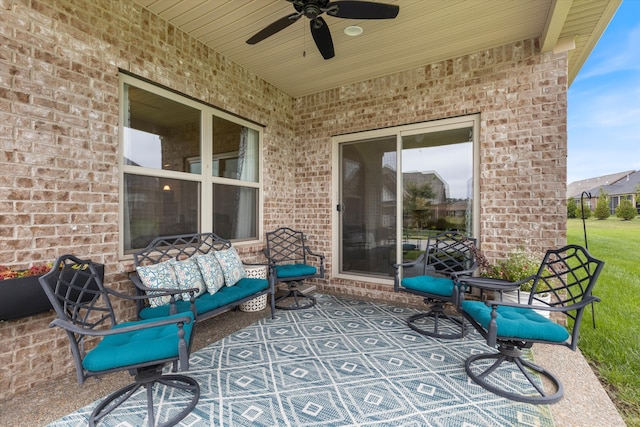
(312, 9)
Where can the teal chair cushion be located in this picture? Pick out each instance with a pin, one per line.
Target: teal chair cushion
(429, 284)
(206, 302)
(141, 346)
(295, 270)
(517, 322)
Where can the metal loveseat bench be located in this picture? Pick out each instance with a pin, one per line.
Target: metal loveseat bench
(201, 273)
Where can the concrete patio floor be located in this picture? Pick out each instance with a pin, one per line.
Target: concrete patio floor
(585, 402)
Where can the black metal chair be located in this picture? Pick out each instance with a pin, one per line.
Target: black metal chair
(287, 253)
(569, 275)
(448, 255)
(84, 311)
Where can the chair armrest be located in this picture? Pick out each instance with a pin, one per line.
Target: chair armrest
(577, 306)
(256, 264)
(310, 252)
(68, 326)
(411, 263)
(125, 296)
(317, 255)
(165, 291)
(145, 293)
(462, 273)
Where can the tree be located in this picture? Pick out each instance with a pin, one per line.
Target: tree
(572, 208)
(626, 211)
(602, 206)
(416, 202)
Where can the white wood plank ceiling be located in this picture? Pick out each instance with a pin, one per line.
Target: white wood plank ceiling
(425, 31)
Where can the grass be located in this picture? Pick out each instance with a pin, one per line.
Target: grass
(613, 347)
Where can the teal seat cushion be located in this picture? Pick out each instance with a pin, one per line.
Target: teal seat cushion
(430, 285)
(295, 270)
(517, 322)
(206, 302)
(136, 347)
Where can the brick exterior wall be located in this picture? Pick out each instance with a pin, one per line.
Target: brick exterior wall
(59, 66)
(59, 153)
(521, 96)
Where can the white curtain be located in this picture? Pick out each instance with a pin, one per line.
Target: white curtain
(247, 171)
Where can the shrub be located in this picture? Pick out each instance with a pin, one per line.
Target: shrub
(602, 207)
(626, 211)
(572, 208)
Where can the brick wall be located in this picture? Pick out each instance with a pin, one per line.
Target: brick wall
(521, 96)
(59, 63)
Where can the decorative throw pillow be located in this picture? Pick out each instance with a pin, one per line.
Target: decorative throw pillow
(188, 276)
(211, 272)
(158, 276)
(232, 267)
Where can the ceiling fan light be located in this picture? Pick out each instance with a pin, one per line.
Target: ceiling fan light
(353, 30)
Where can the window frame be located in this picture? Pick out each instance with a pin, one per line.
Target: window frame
(205, 178)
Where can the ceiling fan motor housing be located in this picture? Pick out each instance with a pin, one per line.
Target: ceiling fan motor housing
(312, 9)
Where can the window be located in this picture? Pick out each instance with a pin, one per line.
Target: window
(397, 186)
(167, 189)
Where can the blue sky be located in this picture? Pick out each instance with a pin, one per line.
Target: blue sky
(604, 102)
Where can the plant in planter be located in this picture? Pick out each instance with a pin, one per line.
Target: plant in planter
(516, 267)
(35, 270)
(21, 294)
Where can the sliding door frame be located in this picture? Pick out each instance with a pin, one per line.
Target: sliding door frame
(472, 121)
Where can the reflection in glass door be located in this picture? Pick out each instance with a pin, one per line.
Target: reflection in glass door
(389, 206)
(437, 184)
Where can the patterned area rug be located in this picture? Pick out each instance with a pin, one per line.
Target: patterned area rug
(341, 363)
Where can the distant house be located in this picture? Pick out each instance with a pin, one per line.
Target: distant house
(618, 186)
(440, 205)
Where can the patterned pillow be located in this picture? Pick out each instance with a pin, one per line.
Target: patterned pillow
(211, 272)
(232, 267)
(158, 276)
(188, 276)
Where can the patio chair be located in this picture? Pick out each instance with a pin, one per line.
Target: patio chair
(85, 313)
(569, 275)
(449, 255)
(287, 253)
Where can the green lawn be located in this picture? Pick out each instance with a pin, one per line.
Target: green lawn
(613, 347)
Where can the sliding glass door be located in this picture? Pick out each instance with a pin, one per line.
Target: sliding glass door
(396, 187)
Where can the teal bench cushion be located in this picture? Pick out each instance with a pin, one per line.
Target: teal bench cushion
(131, 348)
(517, 322)
(295, 270)
(206, 302)
(429, 284)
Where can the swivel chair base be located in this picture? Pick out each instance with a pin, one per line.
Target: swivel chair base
(147, 378)
(509, 354)
(297, 297)
(438, 314)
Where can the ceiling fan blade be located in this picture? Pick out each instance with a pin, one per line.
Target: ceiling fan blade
(322, 37)
(363, 10)
(274, 27)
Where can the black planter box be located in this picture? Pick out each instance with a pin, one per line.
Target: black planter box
(23, 296)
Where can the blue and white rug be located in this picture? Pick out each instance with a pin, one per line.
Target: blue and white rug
(341, 363)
